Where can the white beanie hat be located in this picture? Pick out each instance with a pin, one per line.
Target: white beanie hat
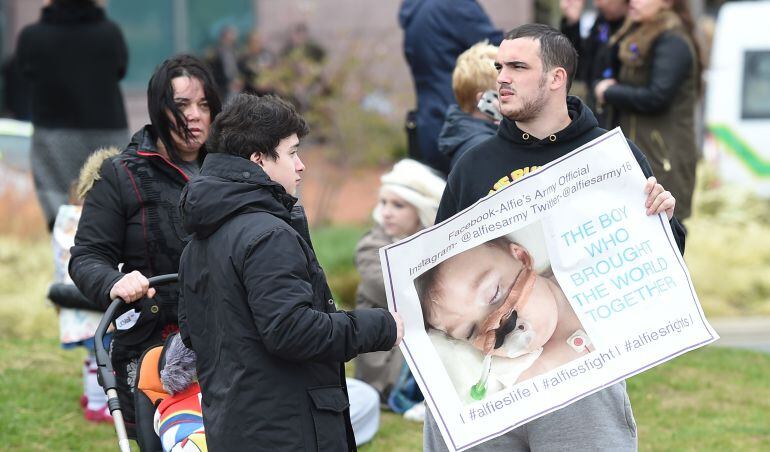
(416, 184)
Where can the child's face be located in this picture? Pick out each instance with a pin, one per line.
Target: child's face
(472, 285)
(399, 218)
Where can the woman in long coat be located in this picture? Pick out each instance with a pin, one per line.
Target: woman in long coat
(656, 92)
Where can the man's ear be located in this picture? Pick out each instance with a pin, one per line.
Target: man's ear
(521, 254)
(558, 78)
(478, 96)
(256, 158)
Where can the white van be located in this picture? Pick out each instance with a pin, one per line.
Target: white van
(738, 96)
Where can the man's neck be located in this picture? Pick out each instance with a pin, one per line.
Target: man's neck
(550, 121)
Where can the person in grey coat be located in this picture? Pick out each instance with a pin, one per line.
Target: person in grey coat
(407, 202)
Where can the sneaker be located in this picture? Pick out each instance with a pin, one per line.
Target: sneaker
(416, 413)
(100, 415)
(83, 401)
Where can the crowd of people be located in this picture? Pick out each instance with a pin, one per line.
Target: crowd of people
(208, 189)
(293, 71)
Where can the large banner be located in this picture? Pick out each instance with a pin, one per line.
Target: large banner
(542, 293)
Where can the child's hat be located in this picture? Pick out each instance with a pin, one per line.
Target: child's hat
(418, 185)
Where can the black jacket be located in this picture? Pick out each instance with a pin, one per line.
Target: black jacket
(256, 309)
(74, 60)
(131, 216)
(511, 154)
(461, 132)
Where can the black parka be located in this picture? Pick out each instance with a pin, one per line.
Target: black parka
(131, 217)
(256, 309)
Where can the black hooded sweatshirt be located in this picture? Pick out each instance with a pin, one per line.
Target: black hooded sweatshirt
(512, 154)
(256, 309)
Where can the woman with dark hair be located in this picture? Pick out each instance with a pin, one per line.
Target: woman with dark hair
(656, 91)
(130, 228)
(72, 59)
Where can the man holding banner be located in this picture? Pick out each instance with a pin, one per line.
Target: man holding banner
(536, 65)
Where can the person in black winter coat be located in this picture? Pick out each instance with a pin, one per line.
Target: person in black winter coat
(536, 64)
(255, 306)
(131, 215)
(72, 61)
(435, 33)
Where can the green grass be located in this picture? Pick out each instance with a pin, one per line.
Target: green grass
(708, 400)
(395, 435)
(335, 248)
(712, 399)
(40, 385)
(26, 269)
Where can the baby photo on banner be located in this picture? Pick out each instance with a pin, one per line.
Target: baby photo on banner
(542, 293)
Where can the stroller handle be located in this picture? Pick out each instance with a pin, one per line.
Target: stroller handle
(105, 374)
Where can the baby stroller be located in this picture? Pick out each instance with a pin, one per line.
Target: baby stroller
(148, 392)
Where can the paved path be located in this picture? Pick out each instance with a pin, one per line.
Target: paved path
(743, 332)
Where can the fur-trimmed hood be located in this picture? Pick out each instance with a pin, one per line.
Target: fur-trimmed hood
(89, 173)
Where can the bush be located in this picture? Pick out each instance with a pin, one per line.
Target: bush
(727, 249)
(336, 99)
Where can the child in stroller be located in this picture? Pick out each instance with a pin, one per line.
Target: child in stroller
(178, 419)
(167, 400)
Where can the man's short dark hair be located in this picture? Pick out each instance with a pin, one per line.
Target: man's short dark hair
(249, 124)
(556, 50)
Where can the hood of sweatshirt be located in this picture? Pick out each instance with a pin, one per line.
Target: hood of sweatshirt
(227, 186)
